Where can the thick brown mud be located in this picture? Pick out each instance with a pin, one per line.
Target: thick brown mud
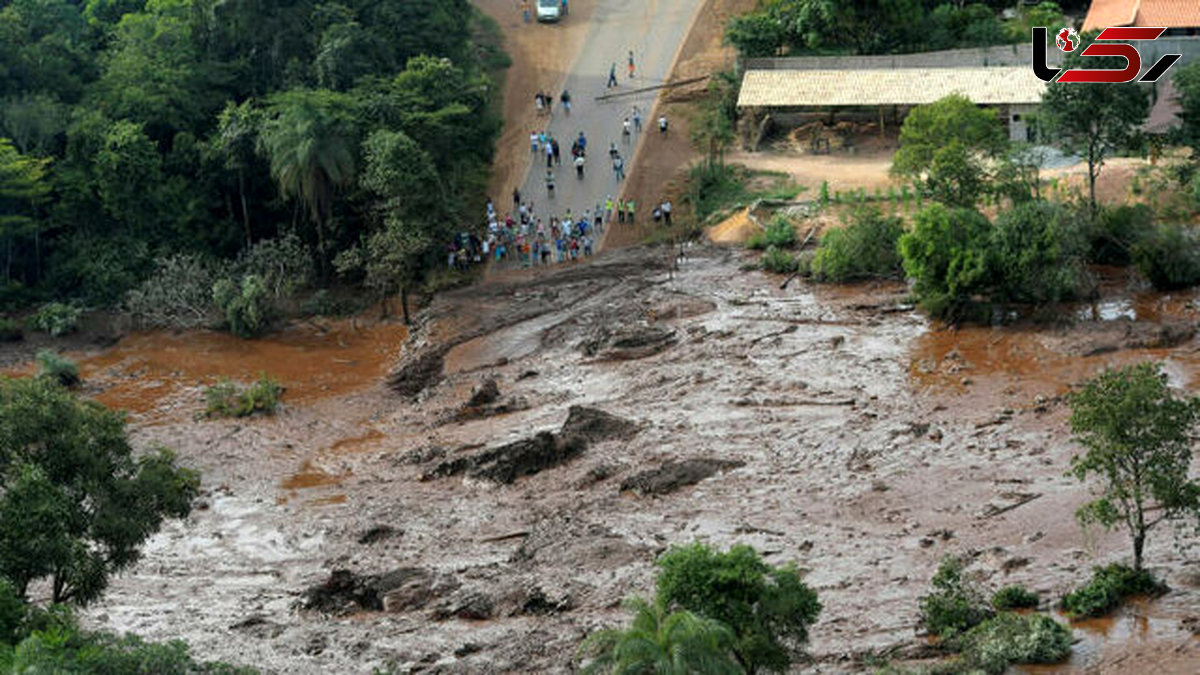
(832, 424)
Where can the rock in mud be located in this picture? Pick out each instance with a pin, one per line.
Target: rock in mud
(487, 394)
(466, 605)
(628, 343)
(377, 534)
(594, 425)
(423, 454)
(419, 371)
(258, 626)
(508, 462)
(346, 592)
(673, 475)
(536, 602)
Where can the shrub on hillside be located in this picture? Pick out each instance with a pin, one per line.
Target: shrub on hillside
(946, 255)
(1037, 250)
(55, 318)
(226, 399)
(865, 248)
(1014, 597)
(1116, 232)
(246, 306)
(10, 330)
(956, 604)
(779, 233)
(178, 294)
(1169, 257)
(60, 369)
(1013, 639)
(779, 261)
(1108, 588)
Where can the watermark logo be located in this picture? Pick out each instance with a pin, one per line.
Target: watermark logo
(1110, 42)
(1067, 39)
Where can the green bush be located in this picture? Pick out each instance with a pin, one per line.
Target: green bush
(778, 261)
(178, 295)
(10, 330)
(246, 308)
(55, 318)
(865, 248)
(226, 399)
(779, 233)
(1169, 257)
(946, 254)
(60, 369)
(1108, 588)
(1013, 639)
(1116, 231)
(1037, 250)
(1014, 597)
(12, 613)
(956, 604)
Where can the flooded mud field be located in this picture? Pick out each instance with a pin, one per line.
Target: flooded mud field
(479, 496)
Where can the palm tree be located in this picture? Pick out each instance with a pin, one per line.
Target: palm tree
(679, 643)
(308, 139)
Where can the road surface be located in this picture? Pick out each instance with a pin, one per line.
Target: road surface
(653, 30)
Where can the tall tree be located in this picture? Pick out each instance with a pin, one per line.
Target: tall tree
(945, 144)
(1138, 439)
(308, 137)
(234, 140)
(1093, 119)
(22, 185)
(676, 643)
(75, 503)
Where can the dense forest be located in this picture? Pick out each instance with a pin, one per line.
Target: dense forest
(194, 139)
(800, 27)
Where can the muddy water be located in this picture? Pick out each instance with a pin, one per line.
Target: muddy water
(1148, 627)
(312, 362)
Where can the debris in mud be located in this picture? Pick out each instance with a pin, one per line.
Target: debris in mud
(346, 592)
(466, 605)
(673, 475)
(594, 425)
(1190, 624)
(486, 394)
(537, 603)
(423, 454)
(419, 371)
(378, 533)
(1126, 334)
(526, 457)
(510, 461)
(576, 544)
(527, 374)
(628, 343)
(596, 474)
(258, 626)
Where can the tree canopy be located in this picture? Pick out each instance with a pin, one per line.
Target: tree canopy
(75, 503)
(1137, 436)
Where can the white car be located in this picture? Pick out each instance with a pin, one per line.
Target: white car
(549, 10)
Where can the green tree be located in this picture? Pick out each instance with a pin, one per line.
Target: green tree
(1037, 253)
(1137, 436)
(75, 503)
(946, 254)
(23, 185)
(1093, 119)
(308, 137)
(769, 609)
(678, 643)
(1187, 82)
(234, 141)
(946, 144)
(865, 248)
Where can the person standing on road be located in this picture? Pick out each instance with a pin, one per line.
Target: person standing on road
(516, 198)
(533, 141)
(582, 143)
(629, 211)
(620, 210)
(612, 76)
(550, 182)
(662, 124)
(554, 147)
(579, 161)
(525, 10)
(564, 7)
(608, 207)
(637, 119)
(631, 64)
(666, 212)
(619, 170)
(549, 153)
(566, 99)
(626, 127)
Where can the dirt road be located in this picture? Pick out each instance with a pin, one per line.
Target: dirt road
(653, 31)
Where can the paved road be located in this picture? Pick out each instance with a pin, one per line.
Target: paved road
(654, 30)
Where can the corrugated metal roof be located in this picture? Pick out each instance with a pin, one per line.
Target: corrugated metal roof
(1168, 13)
(903, 86)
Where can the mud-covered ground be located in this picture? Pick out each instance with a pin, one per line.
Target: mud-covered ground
(830, 427)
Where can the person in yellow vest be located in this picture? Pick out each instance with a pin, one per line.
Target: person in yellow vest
(608, 209)
(629, 211)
